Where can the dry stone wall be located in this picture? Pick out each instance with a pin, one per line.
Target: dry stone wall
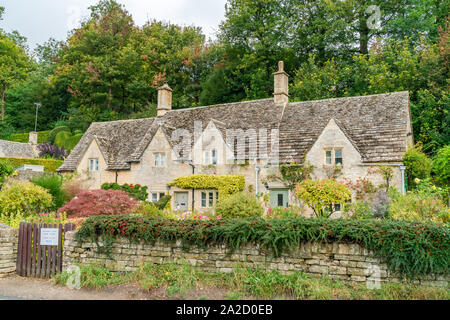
(347, 262)
(8, 249)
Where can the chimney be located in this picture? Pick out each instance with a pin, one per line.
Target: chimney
(33, 137)
(164, 99)
(281, 85)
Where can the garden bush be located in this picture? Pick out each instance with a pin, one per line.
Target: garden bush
(50, 150)
(441, 166)
(408, 248)
(419, 206)
(23, 199)
(7, 168)
(136, 191)
(53, 184)
(319, 194)
(283, 213)
(239, 205)
(72, 186)
(50, 165)
(418, 165)
(225, 184)
(97, 202)
(52, 134)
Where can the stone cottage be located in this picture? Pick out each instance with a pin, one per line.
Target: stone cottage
(252, 138)
(11, 149)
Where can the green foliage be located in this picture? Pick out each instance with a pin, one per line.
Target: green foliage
(23, 199)
(239, 205)
(67, 140)
(441, 167)
(225, 184)
(53, 184)
(55, 131)
(50, 165)
(284, 213)
(43, 136)
(320, 194)
(293, 173)
(136, 191)
(162, 203)
(7, 168)
(408, 248)
(418, 165)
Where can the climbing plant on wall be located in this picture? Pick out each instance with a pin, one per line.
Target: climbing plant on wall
(225, 184)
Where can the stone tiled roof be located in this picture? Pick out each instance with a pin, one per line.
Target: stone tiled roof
(377, 125)
(17, 149)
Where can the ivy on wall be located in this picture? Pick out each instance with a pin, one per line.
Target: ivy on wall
(225, 184)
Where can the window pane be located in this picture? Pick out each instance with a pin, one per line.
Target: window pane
(156, 159)
(96, 164)
(203, 199)
(154, 197)
(337, 207)
(161, 195)
(91, 165)
(163, 159)
(338, 156)
(280, 200)
(328, 157)
(214, 156)
(211, 199)
(206, 157)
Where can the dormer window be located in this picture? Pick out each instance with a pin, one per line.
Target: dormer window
(210, 157)
(159, 159)
(334, 157)
(93, 164)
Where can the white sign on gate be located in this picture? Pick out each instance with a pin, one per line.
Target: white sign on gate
(49, 236)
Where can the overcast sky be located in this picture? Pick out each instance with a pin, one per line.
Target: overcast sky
(38, 20)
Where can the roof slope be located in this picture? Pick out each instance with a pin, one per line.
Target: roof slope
(376, 125)
(16, 149)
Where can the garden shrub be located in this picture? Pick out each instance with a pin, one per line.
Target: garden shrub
(72, 186)
(52, 134)
(97, 202)
(284, 213)
(53, 184)
(319, 194)
(50, 165)
(23, 199)
(408, 248)
(225, 184)
(149, 209)
(418, 165)
(43, 136)
(7, 168)
(67, 140)
(441, 166)
(136, 191)
(417, 206)
(50, 150)
(161, 204)
(376, 205)
(239, 205)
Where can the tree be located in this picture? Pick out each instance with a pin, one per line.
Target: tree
(14, 67)
(441, 166)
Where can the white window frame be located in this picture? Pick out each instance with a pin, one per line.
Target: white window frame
(333, 156)
(93, 164)
(210, 157)
(159, 159)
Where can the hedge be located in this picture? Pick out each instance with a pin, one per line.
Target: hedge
(408, 248)
(224, 184)
(49, 164)
(24, 137)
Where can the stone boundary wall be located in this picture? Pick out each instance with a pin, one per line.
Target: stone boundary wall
(346, 262)
(9, 238)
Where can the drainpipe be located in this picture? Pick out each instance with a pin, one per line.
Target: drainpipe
(256, 176)
(117, 175)
(402, 170)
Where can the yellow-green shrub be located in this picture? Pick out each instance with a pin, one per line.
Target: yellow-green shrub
(50, 165)
(23, 199)
(225, 184)
(239, 205)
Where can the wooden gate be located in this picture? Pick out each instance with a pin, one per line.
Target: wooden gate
(34, 259)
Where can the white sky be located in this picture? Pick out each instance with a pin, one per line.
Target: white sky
(38, 20)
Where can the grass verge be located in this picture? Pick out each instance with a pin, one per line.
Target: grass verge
(243, 282)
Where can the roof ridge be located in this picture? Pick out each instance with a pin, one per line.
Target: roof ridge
(351, 97)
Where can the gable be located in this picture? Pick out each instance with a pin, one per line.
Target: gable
(333, 137)
(93, 152)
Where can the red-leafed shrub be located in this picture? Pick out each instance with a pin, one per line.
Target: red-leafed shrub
(96, 202)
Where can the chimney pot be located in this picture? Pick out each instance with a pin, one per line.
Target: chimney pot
(33, 137)
(281, 85)
(164, 99)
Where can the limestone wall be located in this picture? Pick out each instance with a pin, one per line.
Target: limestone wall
(8, 249)
(347, 262)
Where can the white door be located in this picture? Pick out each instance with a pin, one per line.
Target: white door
(181, 201)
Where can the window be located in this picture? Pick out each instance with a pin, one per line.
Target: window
(328, 157)
(154, 197)
(160, 159)
(93, 164)
(338, 157)
(214, 156)
(334, 157)
(203, 199)
(211, 199)
(161, 194)
(210, 157)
